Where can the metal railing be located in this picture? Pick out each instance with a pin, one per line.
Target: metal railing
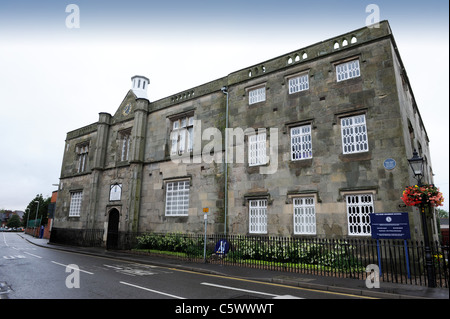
(398, 261)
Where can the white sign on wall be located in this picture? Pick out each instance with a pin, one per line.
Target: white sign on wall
(115, 192)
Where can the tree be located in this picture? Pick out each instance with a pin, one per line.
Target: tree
(14, 221)
(42, 212)
(442, 213)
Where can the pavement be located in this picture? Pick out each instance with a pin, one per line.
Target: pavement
(316, 282)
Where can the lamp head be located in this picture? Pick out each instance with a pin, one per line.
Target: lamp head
(416, 163)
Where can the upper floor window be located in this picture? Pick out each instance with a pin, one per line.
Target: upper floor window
(354, 134)
(301, 146)
(75, 204)
(257, 149)
(82, 151)
(299, 83)
(257, 95)
(347, 70)
(125, 142)
(182, 135)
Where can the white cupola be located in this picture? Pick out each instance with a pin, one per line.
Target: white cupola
(139, 86)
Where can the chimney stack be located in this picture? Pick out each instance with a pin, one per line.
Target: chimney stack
(139, 86)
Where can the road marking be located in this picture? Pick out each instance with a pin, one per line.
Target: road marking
(26, 252)
(4, 239)
(251, 291)
(151, 290)
(14, 257)
(273, 284)
(67, 266)
(114, 267)
(23, 248)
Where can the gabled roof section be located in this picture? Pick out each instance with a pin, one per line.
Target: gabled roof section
(125, 111)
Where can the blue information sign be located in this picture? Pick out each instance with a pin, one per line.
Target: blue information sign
(390, 226)
(389, 164)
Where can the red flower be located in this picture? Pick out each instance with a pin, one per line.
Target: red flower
(413, 195)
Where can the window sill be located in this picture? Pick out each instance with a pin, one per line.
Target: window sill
(362, 156)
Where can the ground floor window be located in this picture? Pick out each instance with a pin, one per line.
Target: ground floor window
(359, 208)
(75, 204)
(258, 216)
(304, 216)
(177, 198)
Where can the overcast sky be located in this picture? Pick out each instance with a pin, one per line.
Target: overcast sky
(54, 79)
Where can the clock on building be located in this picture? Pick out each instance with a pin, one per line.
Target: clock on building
(127, 109)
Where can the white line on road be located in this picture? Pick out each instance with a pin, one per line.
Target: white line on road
(26, 252)
(114, 267)
(4, 239)
(251, 291)
(87, 272)
(151, 290)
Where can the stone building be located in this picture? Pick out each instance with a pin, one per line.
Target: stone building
(318, 139)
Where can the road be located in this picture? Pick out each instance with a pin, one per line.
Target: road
(30, 271)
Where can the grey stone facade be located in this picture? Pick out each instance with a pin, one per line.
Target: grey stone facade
(381, 93)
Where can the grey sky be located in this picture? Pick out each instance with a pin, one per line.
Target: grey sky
(54, 79)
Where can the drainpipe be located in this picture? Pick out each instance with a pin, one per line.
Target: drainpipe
(225, 91)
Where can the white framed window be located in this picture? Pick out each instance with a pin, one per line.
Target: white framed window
(125, 143)
(347, 70)
(301, 144)
(304, 216)
(258, 216)
(177, 198)
(75, 204)
(256, 95)
(257, 149)
(359, 208)
(182, 135)
(82, 151)
(299, 83)
(354, 134)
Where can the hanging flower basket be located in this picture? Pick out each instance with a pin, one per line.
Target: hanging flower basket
(428, 193)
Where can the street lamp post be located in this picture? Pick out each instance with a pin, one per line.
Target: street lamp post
(37, 209)
(28, 218)
(417, 165)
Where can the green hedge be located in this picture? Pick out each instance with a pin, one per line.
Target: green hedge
(336, 255)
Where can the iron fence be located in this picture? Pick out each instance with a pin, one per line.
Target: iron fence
(398, 261)
(77, 237)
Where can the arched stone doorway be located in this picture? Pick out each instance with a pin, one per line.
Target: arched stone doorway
(112, 239)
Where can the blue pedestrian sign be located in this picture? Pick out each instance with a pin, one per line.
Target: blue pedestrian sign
(390, 226)
(222, 247)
